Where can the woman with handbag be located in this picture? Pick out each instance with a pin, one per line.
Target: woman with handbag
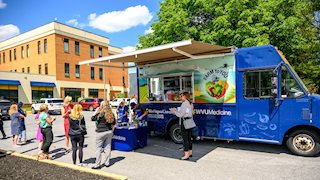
(104, 131)
(186, 122)
(76, 132)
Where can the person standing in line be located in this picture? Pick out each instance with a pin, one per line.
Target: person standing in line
(65, 112)
(22, 128)
(14, 117)
(76, 132)
(185, 112)
(134, 99)
(122, 112)
(39, 136)
(104, 131)
(46, 130)
(4, 136)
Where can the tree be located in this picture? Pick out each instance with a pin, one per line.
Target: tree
(290, 25)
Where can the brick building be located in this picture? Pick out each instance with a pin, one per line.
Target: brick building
(52, 52)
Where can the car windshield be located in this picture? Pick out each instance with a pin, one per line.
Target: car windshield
(55, 101)
(4, 103)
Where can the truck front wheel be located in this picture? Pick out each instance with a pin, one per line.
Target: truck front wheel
(175, 134)
(304, 143)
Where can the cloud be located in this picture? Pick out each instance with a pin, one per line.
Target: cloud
(75, 23)
(2, 4)
(128, 49)
(148, 31)
(8, 31)
(117, 21)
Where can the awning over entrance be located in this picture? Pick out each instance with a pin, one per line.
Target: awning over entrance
(168, 52)
(42, 84)
(10, 82)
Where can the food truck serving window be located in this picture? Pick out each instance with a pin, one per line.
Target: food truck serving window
(167, 88)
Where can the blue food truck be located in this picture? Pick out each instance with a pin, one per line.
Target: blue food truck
(247, 94)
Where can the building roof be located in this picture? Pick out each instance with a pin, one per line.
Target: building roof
(54, 28)
(168, 52)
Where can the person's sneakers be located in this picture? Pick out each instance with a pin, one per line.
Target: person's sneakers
(96, 167)
(181, 148)
(82, 165)
(107, 165)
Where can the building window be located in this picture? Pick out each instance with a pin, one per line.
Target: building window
(10, 56)
(39, 69)
(4, 57)
(22, 52)
(93, 93)
(46, 69)
(100, 51)
(39, 47)
(7, 93)
(28, 70)
(66, 45)
(100, 73)
(75, 93)
(28, 51)
(45, 46)
(66, 70)
(15, 70)
(92, 73)
(76, 48)
(77, 71)
(42, 92)
(91, 51)
(22, 70)
(14, 54)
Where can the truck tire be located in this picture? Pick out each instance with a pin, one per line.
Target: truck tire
(33, 111)
(91, 108)
(304, 142)
(175, 134)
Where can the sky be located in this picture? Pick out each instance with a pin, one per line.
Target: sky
(122, 21)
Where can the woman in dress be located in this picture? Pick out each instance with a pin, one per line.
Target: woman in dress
(65, 112)
(15, 124)
(76, 132)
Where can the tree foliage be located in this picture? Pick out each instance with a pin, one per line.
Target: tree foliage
(290, 25)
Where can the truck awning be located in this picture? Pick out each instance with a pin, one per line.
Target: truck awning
(168, 52)
(9, 82)
(42, 84)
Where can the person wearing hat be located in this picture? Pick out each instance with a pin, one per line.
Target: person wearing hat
(139, 112)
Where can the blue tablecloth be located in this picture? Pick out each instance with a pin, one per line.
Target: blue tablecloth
(125, 139)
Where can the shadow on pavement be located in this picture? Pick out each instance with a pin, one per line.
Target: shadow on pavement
(116, 159)
(160, 146)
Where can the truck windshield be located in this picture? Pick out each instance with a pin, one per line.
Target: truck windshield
(289, 86)
(55, 101)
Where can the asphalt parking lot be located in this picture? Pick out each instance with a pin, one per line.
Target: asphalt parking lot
(159, 160)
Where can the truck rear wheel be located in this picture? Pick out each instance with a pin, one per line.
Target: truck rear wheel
(304, 143)
(175, 134)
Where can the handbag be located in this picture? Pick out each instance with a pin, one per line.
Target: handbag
(188, 123)
(83, 129)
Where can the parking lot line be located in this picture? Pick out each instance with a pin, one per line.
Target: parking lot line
(71, 166)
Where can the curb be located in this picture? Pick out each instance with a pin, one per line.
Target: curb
(71, 166)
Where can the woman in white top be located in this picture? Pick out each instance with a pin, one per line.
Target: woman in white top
(185, 112)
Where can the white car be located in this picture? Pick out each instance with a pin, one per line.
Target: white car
(54, 105)
(116, 101)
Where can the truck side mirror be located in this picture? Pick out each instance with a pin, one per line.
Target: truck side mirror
(274, 88)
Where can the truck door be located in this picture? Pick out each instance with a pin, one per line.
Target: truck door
(294, 103)
(258, 118)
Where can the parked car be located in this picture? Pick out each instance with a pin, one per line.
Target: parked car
(5, 106)
(116, 101)
(90, 103)
(54, 105)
